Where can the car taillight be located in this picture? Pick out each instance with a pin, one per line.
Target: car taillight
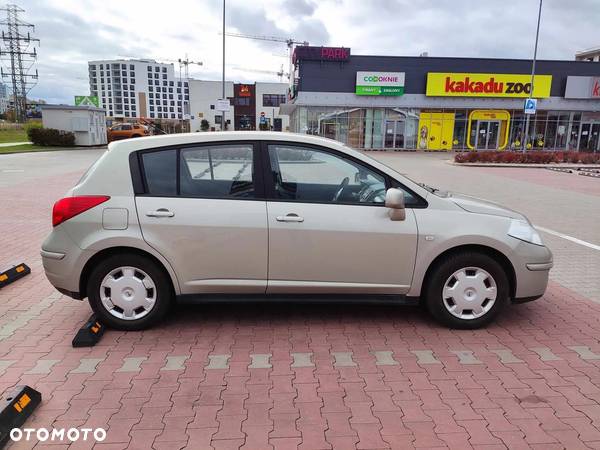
(69, 207)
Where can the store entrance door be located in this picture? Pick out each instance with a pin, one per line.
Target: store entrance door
(394, 134)
(589, 137)
(487, 134)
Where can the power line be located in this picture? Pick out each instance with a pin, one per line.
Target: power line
(18, 48)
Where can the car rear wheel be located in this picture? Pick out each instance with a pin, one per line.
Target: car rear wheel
(129, 292)
(467, 290)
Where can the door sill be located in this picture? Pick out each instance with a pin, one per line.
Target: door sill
(398, 299)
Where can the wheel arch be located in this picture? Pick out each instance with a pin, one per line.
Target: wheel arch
(107, 252)
(498, 256)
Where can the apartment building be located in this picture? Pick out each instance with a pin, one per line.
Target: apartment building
(134, 88)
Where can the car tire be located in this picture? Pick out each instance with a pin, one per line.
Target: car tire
(467, 290)
(129, 292)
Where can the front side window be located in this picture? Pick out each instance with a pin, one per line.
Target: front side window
(220, 171)
(160, 172)
(309, 175)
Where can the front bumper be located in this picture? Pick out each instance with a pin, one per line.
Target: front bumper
(532, 268)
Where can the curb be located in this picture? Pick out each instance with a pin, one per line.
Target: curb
(526, 166)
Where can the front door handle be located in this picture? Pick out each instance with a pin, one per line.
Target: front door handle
(161, 212)
(291, 217)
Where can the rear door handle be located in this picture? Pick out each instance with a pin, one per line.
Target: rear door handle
(161, 212)
(291, 217)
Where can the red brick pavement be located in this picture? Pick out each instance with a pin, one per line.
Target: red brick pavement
(530, 380)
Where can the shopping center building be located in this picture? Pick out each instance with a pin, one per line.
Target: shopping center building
(431, 103)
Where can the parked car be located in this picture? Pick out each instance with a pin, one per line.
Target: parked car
(236, 215)
(126, 131)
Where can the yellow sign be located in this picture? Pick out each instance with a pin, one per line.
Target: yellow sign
(486, 85)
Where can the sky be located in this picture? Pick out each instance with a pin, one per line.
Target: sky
(73, 32)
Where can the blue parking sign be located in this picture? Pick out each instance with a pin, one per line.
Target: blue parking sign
(530, 105)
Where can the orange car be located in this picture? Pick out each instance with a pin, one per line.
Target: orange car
(126, 131)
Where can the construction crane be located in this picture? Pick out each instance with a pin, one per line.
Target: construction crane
(290, 42)
(280, 73)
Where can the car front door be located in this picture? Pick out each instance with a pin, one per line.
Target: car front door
(329, 231)
(204, 211)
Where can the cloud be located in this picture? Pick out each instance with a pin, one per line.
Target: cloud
(300, 7)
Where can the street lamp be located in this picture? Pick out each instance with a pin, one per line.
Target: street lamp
(537, 33)
(223, 81)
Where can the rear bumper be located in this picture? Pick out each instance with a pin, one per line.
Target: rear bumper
(63, 261)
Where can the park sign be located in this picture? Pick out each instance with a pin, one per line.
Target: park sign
(379, 83)
(87, 100)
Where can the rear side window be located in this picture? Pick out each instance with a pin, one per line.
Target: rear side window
(219, 171)
(160, 172)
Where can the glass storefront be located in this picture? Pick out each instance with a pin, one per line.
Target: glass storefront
(445, 129)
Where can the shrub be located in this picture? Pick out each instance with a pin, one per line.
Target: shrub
(51, 136)
(530, 157)
(29, 126)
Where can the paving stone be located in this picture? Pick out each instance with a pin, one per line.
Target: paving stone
(545, 354)
(506, 356)
(42, 366)
(175, 363)
(218, 362)
(343, 359)
(466, 357)
(302, 360)
(260, 361)
(5, 364)
(132, 364)
(425, 357)
(584, 352)
(385, 358)
(87, 365)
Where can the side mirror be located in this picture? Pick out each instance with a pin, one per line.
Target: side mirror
(394, 199)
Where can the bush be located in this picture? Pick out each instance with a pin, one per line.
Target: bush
(31, 126)
(51, 136)
(530, 157)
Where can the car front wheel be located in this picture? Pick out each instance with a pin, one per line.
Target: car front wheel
(129, 292)
(467, 290)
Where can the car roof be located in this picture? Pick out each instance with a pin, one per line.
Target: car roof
(168, 140)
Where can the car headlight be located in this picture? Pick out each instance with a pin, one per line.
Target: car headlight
(524, 231)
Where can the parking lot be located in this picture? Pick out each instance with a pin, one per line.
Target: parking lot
(282, 376)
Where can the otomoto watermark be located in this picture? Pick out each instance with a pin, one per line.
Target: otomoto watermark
(58, 434)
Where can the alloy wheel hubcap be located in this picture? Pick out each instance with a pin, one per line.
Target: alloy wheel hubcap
(128, 293)
(469, 293)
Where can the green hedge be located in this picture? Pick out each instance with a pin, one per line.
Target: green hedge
(50, 136)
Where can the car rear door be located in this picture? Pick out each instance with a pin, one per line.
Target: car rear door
(329, 231)
(203, 209)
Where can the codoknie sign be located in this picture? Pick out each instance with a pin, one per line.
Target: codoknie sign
(379, 83)
(486, 85)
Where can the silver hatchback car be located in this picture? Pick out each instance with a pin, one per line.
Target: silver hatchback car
(241, 215)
